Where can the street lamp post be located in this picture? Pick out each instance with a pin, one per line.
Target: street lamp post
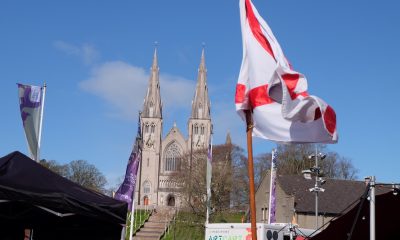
(318, 180)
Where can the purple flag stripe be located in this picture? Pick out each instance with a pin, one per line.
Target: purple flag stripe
(29, 99)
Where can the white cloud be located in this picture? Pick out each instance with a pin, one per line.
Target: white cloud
(176, 92)
(86, 52)
(225, 119)
(124, 86)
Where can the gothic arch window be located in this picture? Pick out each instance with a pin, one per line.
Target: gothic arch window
(148, 136)
(196, 129)
(146, 187)
(202, 129)
(172, 157)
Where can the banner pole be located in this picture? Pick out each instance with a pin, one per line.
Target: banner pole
(40, 124)
(132, 219)
(271, 188)
(208, 179)
(249, 130)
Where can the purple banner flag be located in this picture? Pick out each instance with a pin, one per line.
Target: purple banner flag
(125, 191)
(272, 193)
(31, 104)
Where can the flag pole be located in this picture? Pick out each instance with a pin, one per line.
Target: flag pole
(271, 205)
(40, 125)
(132, 219)
(139, 144)
(190, 163)
(208, 179)
(249, 130)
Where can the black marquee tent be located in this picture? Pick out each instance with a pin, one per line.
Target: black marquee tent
(387, 213)
(33, 197)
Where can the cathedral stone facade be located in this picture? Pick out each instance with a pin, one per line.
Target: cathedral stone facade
(162, 156)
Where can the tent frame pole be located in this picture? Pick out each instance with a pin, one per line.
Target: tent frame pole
(372, 208)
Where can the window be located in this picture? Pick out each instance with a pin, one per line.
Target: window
(196, 129)
(146, 187)
(202, 129)
(146, 128)
(153, 127)
(172, 157)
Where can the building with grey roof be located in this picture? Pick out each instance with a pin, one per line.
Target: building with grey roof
(295, 202)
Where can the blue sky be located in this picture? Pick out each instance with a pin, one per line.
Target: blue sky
(95, 57)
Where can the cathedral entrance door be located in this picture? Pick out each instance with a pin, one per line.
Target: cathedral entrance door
(146, 200)
(171, 201)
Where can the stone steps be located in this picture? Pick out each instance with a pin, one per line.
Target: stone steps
(156, 225)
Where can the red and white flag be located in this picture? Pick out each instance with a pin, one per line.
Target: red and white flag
(282, 109)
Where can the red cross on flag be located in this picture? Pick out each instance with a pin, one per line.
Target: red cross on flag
(282, 109)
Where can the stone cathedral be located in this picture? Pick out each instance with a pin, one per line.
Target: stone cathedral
(161, 156)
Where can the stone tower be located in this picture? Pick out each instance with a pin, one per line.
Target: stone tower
(199, 125)
(152, 128)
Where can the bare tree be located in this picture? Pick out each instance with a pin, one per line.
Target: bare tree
(79, 171)
(262, 163)
(227, 185)
(240, 187)
(60, 169)
(87, 175)
(294, 158)
(346, 169)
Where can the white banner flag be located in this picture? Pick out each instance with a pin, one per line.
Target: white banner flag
(31, 104)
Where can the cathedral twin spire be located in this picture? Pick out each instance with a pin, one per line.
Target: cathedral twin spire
(152, 107)
(201, 102)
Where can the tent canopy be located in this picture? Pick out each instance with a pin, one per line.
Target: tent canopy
(387, 212)
(31, 196)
